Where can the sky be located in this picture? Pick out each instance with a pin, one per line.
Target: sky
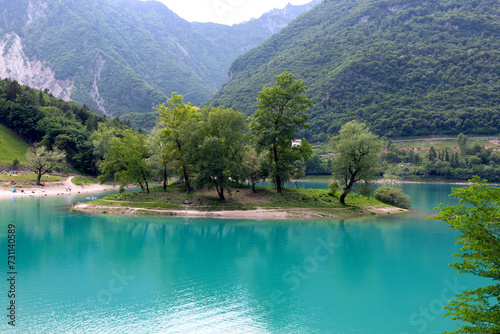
(225, 11)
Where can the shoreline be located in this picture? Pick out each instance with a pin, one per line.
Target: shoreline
(55, 189)
(254, 214)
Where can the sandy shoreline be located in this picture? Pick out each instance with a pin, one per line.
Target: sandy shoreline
(56, 189)
(256, 214)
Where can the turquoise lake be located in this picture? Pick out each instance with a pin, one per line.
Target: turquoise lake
(80, 273)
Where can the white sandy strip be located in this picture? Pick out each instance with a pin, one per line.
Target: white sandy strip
(55, 190)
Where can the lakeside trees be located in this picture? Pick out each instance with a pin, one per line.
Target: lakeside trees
(477, 217)
(280, 114)
(41, 161)
(357, 155)
(179, 124)
(220, 152)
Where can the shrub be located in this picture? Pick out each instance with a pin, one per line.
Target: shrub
(333, 187)
(15, 162)
(393, 196)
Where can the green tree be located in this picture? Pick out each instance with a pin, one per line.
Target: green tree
(126, 160)
(462, 143)
(281, 113)
(41, 161)
(357, 157)
(179, 122)
(220, 154)
(160, 157)
(432, 154)
(253, 171)
(477, 217)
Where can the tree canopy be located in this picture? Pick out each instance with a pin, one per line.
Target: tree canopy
(41, 161)
(477, 217)
(281, 114)
(357, 157)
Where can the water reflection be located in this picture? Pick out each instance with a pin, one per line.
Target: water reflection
(126, 274)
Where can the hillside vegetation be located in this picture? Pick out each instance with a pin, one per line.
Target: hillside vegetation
(121, 56)
(11, 147)
(40, 118)
(405, 68)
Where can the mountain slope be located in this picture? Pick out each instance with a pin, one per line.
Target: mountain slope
(119, 56)
(405, 67)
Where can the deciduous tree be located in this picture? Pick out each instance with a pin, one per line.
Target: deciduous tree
(41, 161)
(281, 114)
(220, 154)
(126, 160)
(357, 157)
(180, 122)
(477, 217)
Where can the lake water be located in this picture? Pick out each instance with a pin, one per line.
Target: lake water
(80, 273)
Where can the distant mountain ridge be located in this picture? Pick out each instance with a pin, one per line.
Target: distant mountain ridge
(121, 56)
(404, 67)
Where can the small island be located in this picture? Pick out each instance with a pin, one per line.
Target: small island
(242, 203)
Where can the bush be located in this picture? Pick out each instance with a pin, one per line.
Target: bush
(15, 162)
(333, 187)
(393, 196)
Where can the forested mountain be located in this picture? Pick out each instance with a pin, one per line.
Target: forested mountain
(405, 67)
(120, 56)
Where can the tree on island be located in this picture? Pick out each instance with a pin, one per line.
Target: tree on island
(179, 122)
(478, 219)
(220, 153)
(281, 114)
(41, 161)
(357, 155)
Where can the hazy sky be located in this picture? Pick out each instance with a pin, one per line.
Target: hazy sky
(225, 11)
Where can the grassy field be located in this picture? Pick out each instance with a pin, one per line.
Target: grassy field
(26, 179)
(11, 147)
(83, 179)
(313, 200)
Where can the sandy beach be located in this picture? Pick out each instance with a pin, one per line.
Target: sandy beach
(56, 189)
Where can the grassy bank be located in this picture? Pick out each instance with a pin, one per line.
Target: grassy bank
(11, 147)
(306, 203)
(26, 179)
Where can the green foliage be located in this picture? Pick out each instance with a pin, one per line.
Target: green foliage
(421, 68)
(39, 117)
(126, 160)
(41, 161)
(393, 196)
(477, 217)
(357, 153)
(135, 52)
(180, 126)
(281, 114)
(11, 147)
(220, 154)
(448, 162)
(333, 187)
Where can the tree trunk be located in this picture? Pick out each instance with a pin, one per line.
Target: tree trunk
(278, 176)
(347, 189)
(253, 188)
(38, 178)
(220, 191)
(147, 187)
(186, 179)
(165, 179)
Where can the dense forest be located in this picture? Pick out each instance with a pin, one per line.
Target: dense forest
(38, 117)
(406, 68)
(121, 56)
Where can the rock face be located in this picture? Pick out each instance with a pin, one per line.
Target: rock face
(15, 64)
